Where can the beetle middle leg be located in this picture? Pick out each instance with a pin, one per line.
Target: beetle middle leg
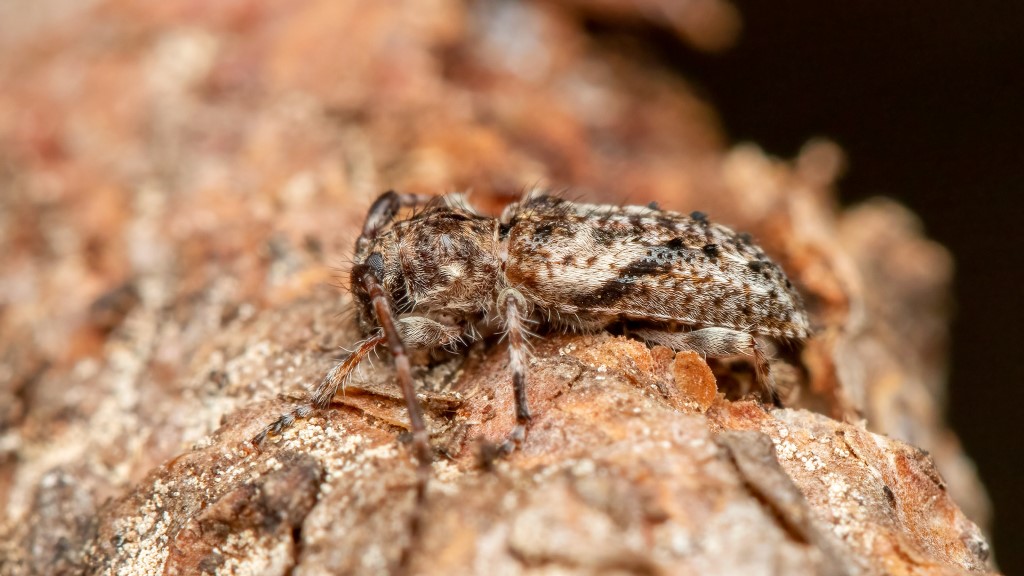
(514, 310)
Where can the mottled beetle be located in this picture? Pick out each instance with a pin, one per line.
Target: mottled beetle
(446, 274)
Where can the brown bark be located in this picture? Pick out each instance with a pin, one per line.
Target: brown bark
(180, 182)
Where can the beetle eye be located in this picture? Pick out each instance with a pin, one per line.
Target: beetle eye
(376, 263)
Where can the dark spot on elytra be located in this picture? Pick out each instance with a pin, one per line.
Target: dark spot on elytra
(609, 293)
(568, 259)
(675, 244)
(503, 230)
(710, 250)
(756, 265)
(591, 260)
(699, 216)
(644, 267)
(653, 206)
(745, 238)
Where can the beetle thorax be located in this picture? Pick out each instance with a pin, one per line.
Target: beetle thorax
(439, 263)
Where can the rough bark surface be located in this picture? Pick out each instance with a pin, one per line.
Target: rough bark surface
(180, 183)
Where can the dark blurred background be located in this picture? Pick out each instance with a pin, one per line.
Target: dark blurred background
(926, 99)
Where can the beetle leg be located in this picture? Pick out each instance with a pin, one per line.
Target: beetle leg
(514, 313)
(716, 343)
(324, 392)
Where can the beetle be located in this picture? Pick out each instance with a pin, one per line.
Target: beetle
(446, 274)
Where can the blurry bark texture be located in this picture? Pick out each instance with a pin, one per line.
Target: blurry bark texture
(180, 183)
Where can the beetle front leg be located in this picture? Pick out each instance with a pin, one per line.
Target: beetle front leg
(324, 392)
(417, 331)
(403, 371)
